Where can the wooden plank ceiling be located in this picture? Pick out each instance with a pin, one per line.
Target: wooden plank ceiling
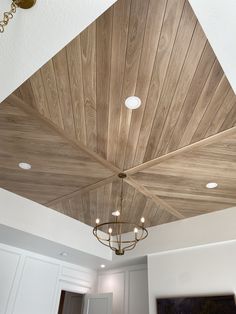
(157, 51)
(57, 167)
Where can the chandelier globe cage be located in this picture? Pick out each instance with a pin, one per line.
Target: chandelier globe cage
(111, 233)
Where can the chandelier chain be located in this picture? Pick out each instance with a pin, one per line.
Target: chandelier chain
(7, 16)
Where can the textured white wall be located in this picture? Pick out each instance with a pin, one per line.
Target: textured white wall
(35, 36)
(32, 283)
(208, 270)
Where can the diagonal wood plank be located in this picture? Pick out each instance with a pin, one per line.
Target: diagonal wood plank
(155, 198)
(155, 161)
(18, 102)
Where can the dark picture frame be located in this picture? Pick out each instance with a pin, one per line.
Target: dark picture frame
(224, 304)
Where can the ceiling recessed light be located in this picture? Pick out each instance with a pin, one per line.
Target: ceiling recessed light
(64, 254)
(211, 185)
(133, 102)
(103, 266)
(25, 166)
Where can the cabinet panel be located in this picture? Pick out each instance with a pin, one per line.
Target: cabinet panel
(36, 292)
(8, 267)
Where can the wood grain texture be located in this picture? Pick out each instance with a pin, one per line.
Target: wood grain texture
(181, 180)
(57, 167)
(153, 49)
(105, 199)
(157, 51)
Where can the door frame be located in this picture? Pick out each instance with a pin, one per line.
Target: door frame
(69, 286)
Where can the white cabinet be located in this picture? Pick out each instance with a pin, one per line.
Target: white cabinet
(31, 283)
(36, 291)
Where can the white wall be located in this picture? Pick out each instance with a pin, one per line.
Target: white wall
(25, 215)
(206, 270)
(129, 286)
(32, 283)
(35, 36)
(216, 227)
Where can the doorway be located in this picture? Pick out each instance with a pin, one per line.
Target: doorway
(71, 303)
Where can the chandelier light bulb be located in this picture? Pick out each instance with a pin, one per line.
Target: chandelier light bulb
(110, 230)
(135, 230)
(142, 220)
(116, 213)
(97, 221)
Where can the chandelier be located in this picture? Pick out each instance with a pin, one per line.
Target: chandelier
(111, 233)
(7, 16)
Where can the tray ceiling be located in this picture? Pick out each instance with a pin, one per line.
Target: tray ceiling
(176, 142)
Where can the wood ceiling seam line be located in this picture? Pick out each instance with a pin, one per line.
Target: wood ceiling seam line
(82, 190)
(82, 75)
(228, 114)
(46, 96)
(190, 147)
(123, 77)
(184, 100)
(103, 52)
(136, 81)
(155, 198)
(69, 77)
(74, 143)
(187, 135)
(59, 102)
(225, 96)
(137, 153)
(119, 46)
(151, 153)
(158, 146)
(182, 120)
(150, 81)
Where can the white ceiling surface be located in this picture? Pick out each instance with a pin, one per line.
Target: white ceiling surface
(34, 36)
(218, 19)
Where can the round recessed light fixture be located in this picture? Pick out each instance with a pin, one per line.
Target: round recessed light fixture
(211, 185)
(103, 266)
(133, 102)
(25, 166)
(64, 254)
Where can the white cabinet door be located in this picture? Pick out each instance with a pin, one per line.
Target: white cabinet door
(98, 303)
